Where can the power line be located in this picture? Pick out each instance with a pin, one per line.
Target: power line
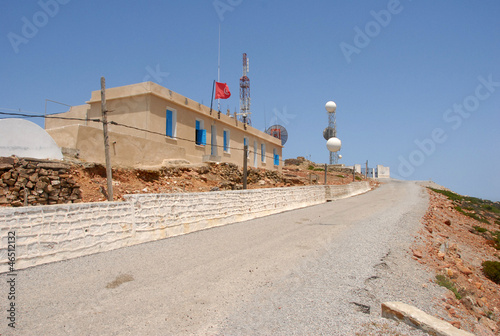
(46, 116)
(121, 125)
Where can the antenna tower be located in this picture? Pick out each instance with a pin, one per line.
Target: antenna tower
(245, 93)
(332, 123)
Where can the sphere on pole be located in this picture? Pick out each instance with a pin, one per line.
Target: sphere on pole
(333, 144)
(330, 106)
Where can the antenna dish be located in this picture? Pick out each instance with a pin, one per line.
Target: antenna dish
(333, 144)
(279, 132)
(328, 133)
(330, 106)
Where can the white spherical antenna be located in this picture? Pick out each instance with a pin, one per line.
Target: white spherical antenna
(333, 144)
(330, 106)
(340, 156)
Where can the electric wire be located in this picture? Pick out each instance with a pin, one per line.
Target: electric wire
(122, 125)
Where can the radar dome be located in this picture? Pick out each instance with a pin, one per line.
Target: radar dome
(333, 144)
(331, 106)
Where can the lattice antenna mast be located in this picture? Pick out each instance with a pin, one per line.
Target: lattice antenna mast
(245, 92)
(332, 122)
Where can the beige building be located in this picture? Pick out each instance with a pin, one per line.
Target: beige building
(178, 128)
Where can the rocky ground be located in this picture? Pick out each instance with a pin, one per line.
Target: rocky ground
(201, 178)
(459, 234)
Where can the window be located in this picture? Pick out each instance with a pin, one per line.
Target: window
(227, 136)
(171, 120)
(276, 157)
(200, 133)
(263, 153)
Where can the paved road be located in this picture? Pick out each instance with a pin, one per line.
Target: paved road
(316, 270)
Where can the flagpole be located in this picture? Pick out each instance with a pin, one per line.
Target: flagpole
(212, 101)
(218, 72)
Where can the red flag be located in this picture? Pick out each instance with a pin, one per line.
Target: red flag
(222, 91)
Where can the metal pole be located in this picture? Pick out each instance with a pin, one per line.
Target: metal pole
(245, 154)
(326, 172)
(45, 115)
(109, 176)
(212, 101)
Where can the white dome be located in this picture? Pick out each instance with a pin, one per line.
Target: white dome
(331, 106)
(24, 138)
(333, 144)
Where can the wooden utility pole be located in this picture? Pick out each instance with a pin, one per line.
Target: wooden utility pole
(109, 175)
(245, 155)
(326, 173)
(366, 169)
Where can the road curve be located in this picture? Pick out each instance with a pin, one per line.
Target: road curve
(321, 270)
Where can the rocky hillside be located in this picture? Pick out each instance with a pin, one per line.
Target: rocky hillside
(201, 178)
(461, 245)
(25, 181)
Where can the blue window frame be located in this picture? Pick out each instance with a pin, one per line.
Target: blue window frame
(276, 158)
(226, 141)
(200, 134)
(170, 124)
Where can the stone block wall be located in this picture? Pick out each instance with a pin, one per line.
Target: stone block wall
(36, 182)
(59, 232)
(165, 215)
(346, 190)
(52, 233)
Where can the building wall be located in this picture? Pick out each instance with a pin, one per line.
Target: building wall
(79, 112)
(52, 233)
(144, 106)
(125, 150)
(383, 172)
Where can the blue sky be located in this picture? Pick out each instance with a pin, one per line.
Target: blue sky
(417, 83)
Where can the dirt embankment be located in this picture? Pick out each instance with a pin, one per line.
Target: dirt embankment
(201, 178)
(460, 234)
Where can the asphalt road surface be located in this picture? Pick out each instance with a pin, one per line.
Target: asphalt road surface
(321, 270)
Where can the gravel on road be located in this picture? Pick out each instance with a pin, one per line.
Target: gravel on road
(321, 270)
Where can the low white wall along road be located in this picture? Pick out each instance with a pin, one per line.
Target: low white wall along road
(58, 232)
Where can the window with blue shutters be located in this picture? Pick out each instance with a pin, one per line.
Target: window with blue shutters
(170, 123)
(200, 134)
(276, 158)
(226, 141)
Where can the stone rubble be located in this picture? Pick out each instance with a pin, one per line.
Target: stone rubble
(26, 181)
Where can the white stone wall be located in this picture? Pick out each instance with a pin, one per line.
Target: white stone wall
(164, 215)
(383, 172)
(346, 190)
(58, 232)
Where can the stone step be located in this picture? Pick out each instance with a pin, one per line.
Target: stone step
(418, 319)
